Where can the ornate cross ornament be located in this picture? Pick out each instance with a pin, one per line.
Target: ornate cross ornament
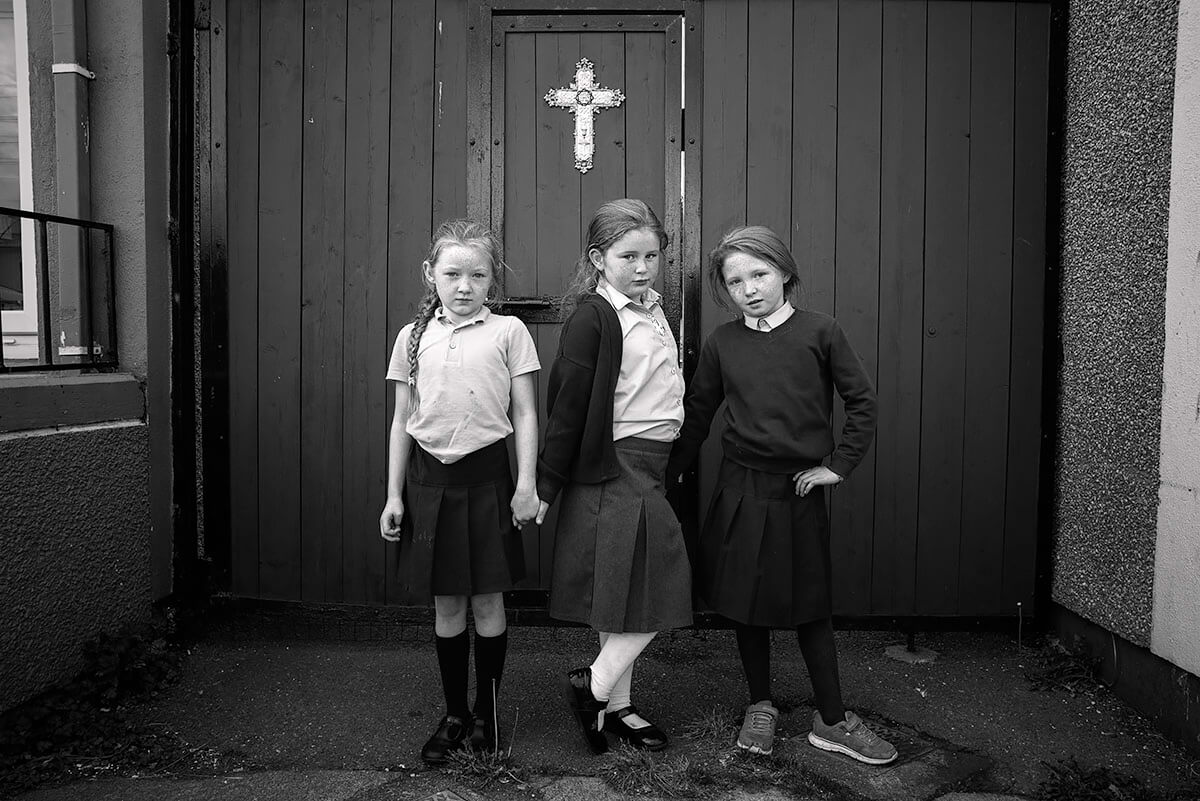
(584, 99)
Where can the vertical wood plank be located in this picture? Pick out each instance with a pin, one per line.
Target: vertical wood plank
(989, 303)
(947, 153)
(606, 180)
(856, 291)
(646, 75)
(322, 266)
(522, 93)
(769, 116)
(814, 147)
(539, 540)
(450, 112)
(365, 345)
(1030, 125)
(241, 139)
(410, 198)
(279, 170)
(558, 236)
(723, 170)
(901, 267)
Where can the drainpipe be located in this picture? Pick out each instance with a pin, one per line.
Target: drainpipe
(72, 130)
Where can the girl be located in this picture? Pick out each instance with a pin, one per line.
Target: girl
(763, 556)
(457, 366)
(614, 406)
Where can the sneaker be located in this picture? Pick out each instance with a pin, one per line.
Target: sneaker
(758, 729)
(853, 738)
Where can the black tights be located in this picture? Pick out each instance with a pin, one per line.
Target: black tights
(820, 656)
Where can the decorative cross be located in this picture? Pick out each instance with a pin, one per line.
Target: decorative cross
(584, 99)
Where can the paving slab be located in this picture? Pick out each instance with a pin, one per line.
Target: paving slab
(278, 785)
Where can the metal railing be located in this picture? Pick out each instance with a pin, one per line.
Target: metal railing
(71, 283)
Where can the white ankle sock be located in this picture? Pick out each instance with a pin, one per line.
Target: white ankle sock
(618, 652)
(621, 695)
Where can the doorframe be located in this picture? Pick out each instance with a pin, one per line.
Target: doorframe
(484, 169)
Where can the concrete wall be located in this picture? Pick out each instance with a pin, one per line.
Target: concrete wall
(1115, 185)
(76, 552)
(85, 512)
(1175, 634)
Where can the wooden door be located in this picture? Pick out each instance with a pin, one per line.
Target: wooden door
(536, 196)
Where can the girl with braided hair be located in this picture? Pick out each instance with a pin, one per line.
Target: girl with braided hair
(452, 504)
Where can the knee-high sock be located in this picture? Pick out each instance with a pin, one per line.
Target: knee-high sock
(820, 656)
(489, 665)
(454, 661)
(754, 647)
(616, 656)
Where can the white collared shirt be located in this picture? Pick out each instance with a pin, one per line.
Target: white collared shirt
(649, 396)
(773, 320)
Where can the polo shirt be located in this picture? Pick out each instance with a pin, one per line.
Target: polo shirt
(464, 380)
(648, 401)
(773, 320)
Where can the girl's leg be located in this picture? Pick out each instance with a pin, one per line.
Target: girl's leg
(491, 645)
(453, 651)
(820, 655)
(754, 647)
(617, 655)
(621, 694)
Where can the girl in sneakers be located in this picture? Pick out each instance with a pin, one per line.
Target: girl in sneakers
(451, 502)
(614, 405)
(763, 556)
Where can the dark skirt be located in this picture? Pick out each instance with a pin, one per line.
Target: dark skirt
(460, 539)
(763, 555)
(620, 563)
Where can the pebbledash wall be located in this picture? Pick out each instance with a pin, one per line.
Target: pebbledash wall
(85, 494)
(1126, 540)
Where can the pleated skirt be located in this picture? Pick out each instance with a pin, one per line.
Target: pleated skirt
(763, 555)
(620, 562)
(459, 538)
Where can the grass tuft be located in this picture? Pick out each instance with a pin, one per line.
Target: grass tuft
(480, 769)
(1073, 671)
(630, 771)
(1068, 781)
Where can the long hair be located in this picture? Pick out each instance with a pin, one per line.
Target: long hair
(762, 243)
(610, 222)
(467, 233)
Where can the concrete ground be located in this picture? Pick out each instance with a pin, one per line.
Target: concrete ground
(345, 720)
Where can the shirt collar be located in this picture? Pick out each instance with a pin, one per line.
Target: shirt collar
(774, 319)
(620, 300)
(439, 314)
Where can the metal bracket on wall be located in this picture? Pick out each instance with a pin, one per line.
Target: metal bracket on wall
(76, 68)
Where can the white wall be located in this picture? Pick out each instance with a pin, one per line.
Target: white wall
(1175, 633)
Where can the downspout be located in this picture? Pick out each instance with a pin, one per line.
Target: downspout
(72, 131)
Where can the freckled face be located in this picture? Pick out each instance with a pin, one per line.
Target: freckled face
(756, 286)
(462, 276)
(630, 264)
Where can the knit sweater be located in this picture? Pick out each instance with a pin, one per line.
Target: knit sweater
(578, 441)
(779, 388)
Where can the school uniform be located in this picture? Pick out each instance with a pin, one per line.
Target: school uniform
(763, 558)
(614, 407)
(458, 537)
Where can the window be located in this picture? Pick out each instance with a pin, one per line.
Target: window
(18, 267)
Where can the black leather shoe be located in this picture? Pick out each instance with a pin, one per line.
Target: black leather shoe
(648, 738)
(451, 735)
(483, 735)
(586, 709)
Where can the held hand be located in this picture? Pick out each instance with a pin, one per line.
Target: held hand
(389, 521)
(541, 512)
(814, 477)
(524, 507)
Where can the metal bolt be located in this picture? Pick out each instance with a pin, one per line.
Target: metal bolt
(932, 331)
(620, 24)
(471, 143)
(496, 142)
(691, 141)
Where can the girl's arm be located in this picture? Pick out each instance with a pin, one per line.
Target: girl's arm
(858, 393)
(524, 421)
(704, 396)
(399, 447)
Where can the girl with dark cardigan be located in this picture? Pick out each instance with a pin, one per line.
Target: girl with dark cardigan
(614, 406)
(451, 502)
(763, 555)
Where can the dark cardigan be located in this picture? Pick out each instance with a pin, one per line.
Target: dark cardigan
(578, 444)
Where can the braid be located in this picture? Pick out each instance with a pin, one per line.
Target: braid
(429, 302)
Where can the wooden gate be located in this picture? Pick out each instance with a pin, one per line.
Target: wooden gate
(899, 145)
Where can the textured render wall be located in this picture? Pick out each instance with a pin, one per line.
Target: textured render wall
(1175, 635)
(1115, 184)
(75, 539)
